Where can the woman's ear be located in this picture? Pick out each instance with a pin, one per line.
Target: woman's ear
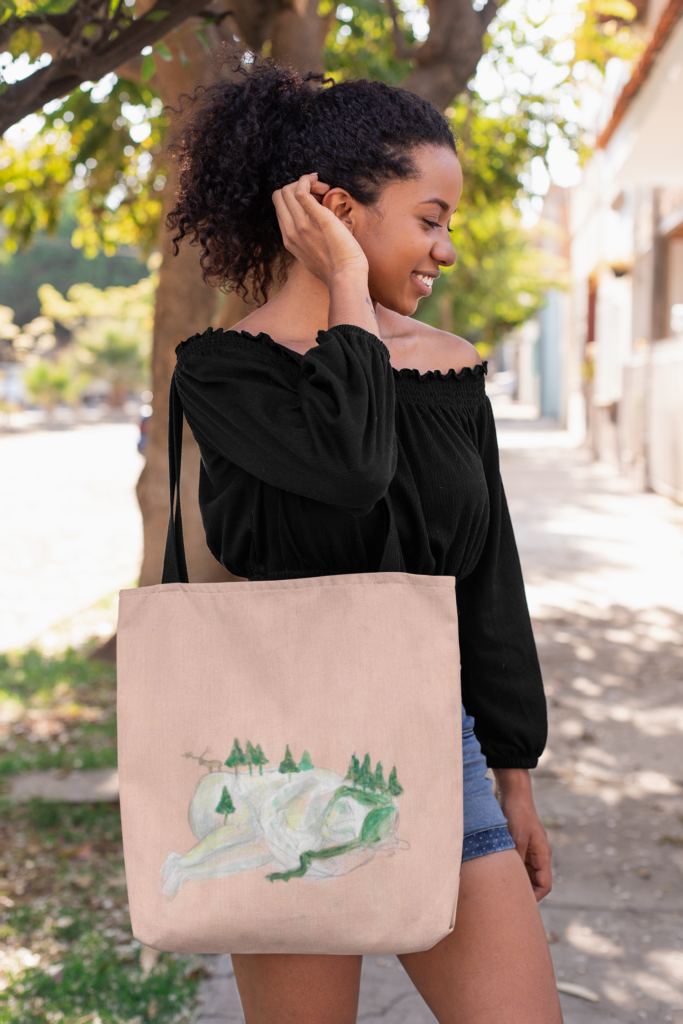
(339, 202)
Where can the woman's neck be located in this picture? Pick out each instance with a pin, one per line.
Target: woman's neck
(295, 314)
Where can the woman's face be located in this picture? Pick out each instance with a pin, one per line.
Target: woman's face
(405, 234)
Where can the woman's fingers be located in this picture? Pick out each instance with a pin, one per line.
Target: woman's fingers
(282, 210)
(318, 239)
(538, 861)
(285, 220)
(318, 190)
(305, 194)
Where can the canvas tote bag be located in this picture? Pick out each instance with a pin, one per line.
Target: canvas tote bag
(290, 757)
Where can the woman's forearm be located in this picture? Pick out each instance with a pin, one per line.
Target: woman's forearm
(513, 782)
(350, 301)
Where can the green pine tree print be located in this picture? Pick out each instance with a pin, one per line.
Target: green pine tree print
(305, 764)
(354, 770)
(378, 779)
(236, 757)
(225, 805)
(365, 774)
(250, 755)
(393, 785)
(259, 758)
(288, 764)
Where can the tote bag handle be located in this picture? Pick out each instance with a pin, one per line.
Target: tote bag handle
(175, 566)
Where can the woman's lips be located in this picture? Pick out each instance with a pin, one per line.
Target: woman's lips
(424, 282)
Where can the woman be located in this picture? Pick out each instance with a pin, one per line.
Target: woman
(345, 193)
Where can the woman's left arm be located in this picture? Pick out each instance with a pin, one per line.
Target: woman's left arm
(517, 802)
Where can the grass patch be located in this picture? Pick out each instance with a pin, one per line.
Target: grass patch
(56, 712)
(67, 953)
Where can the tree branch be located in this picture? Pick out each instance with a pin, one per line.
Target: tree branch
(402, 51)
(448, 58)
(81, 61)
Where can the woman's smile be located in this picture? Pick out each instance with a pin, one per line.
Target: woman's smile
(424, 281)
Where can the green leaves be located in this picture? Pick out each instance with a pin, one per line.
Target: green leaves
(24, 40)
(148, 67)
(201, 36)
(149, 64)
(20, 8)
(615, 9)
(115, 183)
(163, 51)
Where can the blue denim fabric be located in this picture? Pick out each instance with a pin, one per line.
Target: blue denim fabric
(485, 825)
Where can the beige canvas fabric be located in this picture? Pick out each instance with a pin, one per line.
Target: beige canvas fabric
(291, 855)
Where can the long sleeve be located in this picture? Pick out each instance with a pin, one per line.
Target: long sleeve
(501, 677)
(319, 425)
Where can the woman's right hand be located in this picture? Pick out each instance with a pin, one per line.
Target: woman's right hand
(312, 233)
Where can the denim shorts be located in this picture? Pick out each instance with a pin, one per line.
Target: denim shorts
(485, 826)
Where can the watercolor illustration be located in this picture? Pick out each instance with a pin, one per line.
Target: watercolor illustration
(306, 822)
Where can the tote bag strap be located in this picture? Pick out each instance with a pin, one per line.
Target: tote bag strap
(175, 566)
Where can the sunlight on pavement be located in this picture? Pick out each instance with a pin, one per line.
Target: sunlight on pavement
(70, 523)
(601, 564)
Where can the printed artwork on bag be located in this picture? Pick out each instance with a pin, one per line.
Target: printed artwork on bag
(307, 822)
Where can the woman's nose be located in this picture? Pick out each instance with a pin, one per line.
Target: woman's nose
(443, 253)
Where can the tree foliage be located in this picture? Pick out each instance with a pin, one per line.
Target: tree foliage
(259, 758)
(393, 785)
(353, 770)
(365, 773)
(102, 146)
(305, 764)
(236, 757)
(225, 805)
(85, 39)
(51, 383)
(288, 764)
(87, 150)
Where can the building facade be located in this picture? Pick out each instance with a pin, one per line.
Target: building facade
(626, 252)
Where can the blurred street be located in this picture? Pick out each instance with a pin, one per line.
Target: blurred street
(601, 567)
(75, 536)
(602, 570)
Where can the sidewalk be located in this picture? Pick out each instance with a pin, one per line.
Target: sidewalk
(602, 567)
(603, 573)
(71, 528)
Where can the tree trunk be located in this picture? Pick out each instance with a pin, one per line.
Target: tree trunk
(184, 306)
(449, 56)
(299, 35)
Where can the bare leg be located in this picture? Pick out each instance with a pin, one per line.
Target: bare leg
(284, 988)
(495, 965)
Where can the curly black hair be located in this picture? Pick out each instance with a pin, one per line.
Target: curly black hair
(263, 129)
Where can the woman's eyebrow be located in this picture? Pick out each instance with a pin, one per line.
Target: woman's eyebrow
(439, 202)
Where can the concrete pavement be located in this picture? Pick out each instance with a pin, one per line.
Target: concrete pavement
(602, 567)
(71, 530)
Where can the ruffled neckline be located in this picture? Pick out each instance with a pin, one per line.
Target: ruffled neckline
(405, 373)
(477, 372)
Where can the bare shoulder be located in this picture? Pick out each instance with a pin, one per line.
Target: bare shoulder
(462, 352)
(421, 347)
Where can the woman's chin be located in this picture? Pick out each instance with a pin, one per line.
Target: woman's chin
(403, 305)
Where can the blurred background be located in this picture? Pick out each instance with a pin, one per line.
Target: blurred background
(569, 280)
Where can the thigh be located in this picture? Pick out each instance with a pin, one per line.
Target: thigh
(495, 965)
(295, 989)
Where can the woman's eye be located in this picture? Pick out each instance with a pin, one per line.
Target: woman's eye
(433, 223)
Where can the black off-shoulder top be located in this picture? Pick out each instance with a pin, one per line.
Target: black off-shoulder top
(298, 452)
